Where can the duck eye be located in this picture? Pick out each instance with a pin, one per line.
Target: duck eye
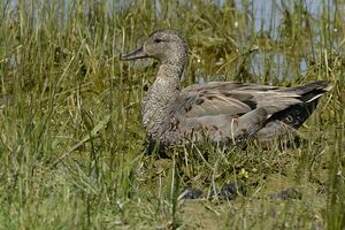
(158, 40)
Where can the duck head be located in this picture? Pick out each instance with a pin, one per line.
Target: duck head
(167, 46)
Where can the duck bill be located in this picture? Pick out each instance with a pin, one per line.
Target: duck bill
(135, 54)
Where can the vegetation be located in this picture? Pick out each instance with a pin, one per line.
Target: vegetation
(72, 144)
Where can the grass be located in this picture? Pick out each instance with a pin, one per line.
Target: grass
(71, 140)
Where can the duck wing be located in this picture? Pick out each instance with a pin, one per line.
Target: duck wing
(233, 111)
(234, 99)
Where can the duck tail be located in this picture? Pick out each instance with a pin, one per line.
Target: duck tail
(311, 91)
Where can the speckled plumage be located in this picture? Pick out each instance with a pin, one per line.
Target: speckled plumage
(223, 112)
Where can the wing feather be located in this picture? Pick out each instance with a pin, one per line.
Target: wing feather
(231, 98)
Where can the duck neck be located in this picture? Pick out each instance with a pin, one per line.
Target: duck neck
(159, 99)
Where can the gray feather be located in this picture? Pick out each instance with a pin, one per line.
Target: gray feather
(223, 112)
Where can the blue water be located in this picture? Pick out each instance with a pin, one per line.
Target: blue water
(267, 17)
(267, 14)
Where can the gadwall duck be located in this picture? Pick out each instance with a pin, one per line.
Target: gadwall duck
(224, 113)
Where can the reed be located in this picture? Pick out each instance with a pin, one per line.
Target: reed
(71, 141)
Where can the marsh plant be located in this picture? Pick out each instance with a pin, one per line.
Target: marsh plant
(72, 146)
